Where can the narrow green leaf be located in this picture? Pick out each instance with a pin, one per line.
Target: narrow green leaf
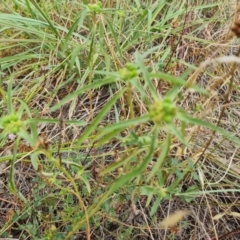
(23, 107)
(51, 25)
(91, 50)
(172, 128)
(149, 198)
(137, 171)
(188, 119)
(114, 37)
(149, 22)
(9, 96)
(122, 125)
(74, 56)
(85, 180)
(12, 170)
(107, 137)
(119, 163)
(34, 133)
(155, 206)
(100, 115)
(161, 159)
(56, 121)
(77, 22)
(169, 78)
(34, 160)
(94, 85)
(29, 8)
(25, 135)
(146, 76)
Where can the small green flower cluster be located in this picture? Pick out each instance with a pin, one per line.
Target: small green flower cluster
(96, 7)
(12, 123)
(162, 111)
(129, 72)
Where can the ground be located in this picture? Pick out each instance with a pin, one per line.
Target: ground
(119, 119)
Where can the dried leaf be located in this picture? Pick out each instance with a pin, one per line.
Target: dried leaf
(42, 142)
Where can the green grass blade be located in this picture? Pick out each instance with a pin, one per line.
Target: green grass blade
(146, 76)
(78, 23)
(161, 159)
(51, 25)
(56, 121)
(9, 96)
(99, 117)
(122, 125)
(29, 8)
(199, 122)
(169, 78)
(11, 176)
(69, 97)
(172, 128)
(114, 37)
(139, 170)
(119, 163)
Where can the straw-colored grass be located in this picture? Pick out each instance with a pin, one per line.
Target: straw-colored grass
(119, 119)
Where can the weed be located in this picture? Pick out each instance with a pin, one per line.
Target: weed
(109, 129)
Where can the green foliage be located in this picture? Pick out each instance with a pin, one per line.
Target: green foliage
(65, 56)
(11, 124)
(129, 72)
(162, 111)
(96, 7)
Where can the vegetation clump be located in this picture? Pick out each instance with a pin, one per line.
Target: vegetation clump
(119, 119)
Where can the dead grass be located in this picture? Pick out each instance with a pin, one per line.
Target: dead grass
(46, 78)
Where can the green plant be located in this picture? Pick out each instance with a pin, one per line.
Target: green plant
(109, 85)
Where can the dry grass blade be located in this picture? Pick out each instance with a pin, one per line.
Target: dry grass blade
(141, 101)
